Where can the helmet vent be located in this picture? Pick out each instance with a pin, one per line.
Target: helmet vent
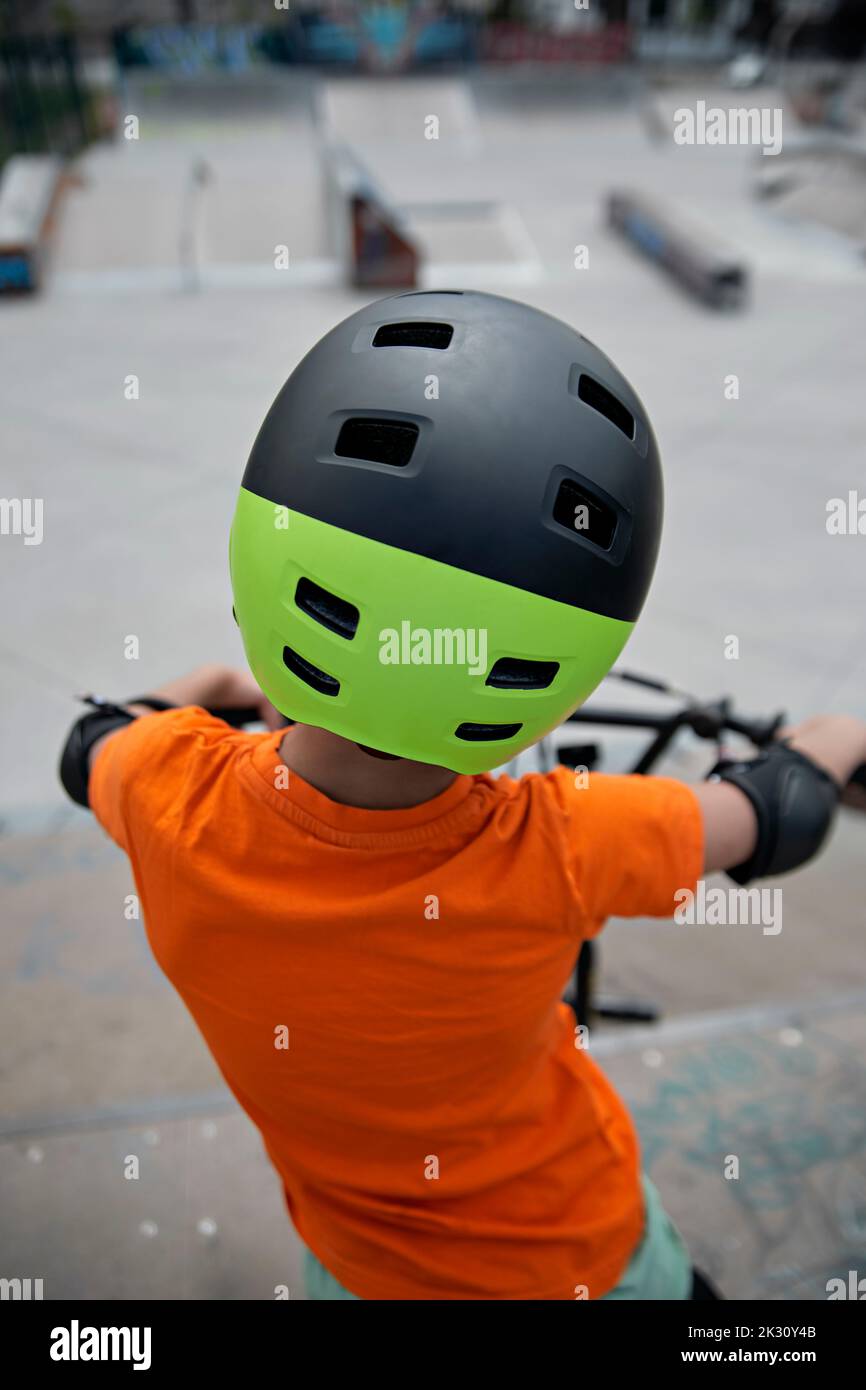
(511, 674)
(425, 335)
(329, 610)
(592, 393)
(486, 733)
(378, 441)
(307, 672)
(584, 515)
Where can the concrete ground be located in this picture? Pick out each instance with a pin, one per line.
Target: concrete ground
(759, 1054)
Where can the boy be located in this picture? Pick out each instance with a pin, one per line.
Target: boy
(372, 933)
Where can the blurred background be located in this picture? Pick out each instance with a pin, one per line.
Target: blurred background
(192, 193)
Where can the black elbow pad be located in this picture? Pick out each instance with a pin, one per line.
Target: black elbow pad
(794, 801)
(75, 758)
(102, 719)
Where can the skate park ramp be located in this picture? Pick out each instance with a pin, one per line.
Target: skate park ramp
(366, 111)
(411, 135)
(217, 180)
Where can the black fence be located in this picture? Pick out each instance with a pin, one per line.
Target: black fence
(44, 105)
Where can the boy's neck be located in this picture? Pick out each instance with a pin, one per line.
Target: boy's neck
(345, 773)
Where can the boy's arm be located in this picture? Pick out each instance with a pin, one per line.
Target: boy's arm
(836, 743)
(211, 687)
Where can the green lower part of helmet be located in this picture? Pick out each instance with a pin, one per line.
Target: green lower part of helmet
(402, 662)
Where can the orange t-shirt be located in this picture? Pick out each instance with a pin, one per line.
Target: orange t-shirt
(437, 1130)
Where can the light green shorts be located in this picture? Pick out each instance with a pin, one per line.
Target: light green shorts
(659, 1269)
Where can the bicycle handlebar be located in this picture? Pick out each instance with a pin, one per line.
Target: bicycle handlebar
(237, 715)
(707, 721)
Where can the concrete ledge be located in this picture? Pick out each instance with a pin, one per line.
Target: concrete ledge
(29, 192)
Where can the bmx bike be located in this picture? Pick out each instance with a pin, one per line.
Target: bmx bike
(709, 720)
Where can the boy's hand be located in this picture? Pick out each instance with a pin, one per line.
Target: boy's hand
(216, 687)
(236, 689)
(836, 742)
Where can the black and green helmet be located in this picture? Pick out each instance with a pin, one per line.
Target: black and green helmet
(446, 529)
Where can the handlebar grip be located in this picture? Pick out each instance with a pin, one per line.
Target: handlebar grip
(858, 776)
(237, 715)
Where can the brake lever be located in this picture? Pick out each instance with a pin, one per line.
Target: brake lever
(708, 721)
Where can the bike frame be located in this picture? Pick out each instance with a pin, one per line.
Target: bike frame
(708, 721)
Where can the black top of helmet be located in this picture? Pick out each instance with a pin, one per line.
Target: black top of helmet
(476, 431)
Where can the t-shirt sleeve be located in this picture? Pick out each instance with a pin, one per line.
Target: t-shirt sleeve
(139, 773)
(634, 843)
